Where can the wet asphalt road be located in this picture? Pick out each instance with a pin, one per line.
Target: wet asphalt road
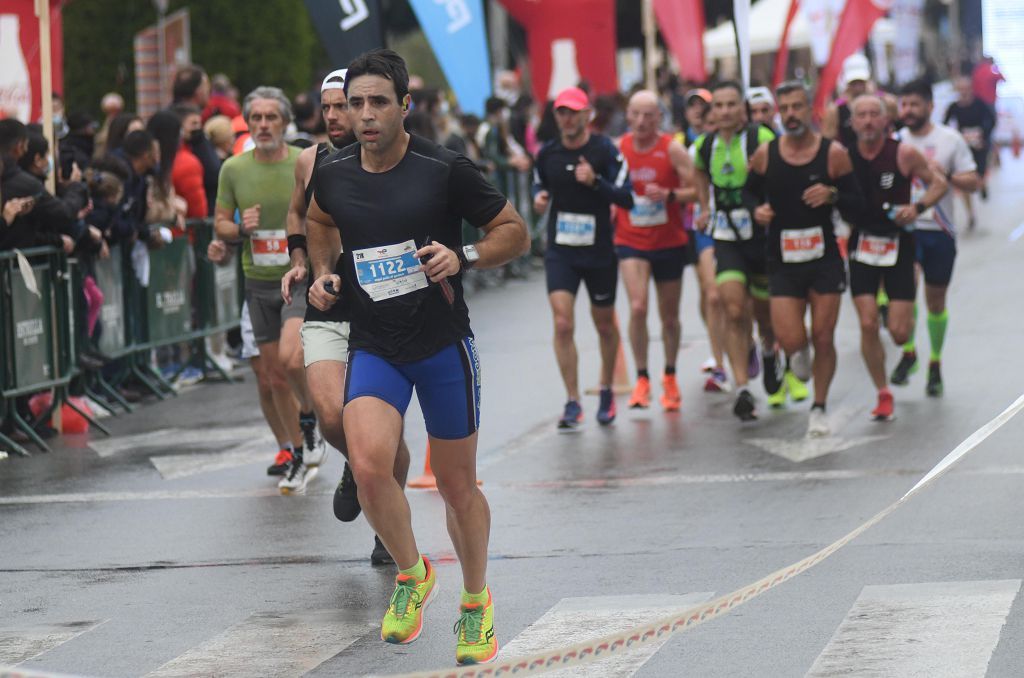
(172, 554)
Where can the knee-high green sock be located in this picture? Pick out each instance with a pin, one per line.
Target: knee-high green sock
(937, 332)
(910, 346)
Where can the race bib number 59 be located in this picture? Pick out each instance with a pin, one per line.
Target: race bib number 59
(389, 271)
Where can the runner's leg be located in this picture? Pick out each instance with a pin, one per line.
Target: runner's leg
(290, 350)
(563, 311)
(466, 509)
(737, 327)
(670, 294)
(284, 400)
(711, 304)
(267, 403)
(608, 337)
(636, 276)
(824, 316)
(870, 342)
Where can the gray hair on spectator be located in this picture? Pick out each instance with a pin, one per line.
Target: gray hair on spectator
(265, 92)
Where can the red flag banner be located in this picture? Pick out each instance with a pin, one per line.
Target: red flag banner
(682, 25)
(782, 56)
(852, 34)
(568, 40)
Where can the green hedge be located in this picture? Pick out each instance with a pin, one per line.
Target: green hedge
(271, 42)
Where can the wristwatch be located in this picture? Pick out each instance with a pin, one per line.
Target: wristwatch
(468, 257)
(920, 207)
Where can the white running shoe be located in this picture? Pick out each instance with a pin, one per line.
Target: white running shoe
(297, 478)
(709, 365)
(817, 425)
(800, 364)
(314, 450)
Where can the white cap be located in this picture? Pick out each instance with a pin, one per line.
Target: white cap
(331, 81)
(856, 67)
(760, 95)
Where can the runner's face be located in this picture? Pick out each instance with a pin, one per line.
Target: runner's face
(644, 118)
(695, 113)
(727, 105)
(374, 112)
(266, 124)
(334, 106)
(572, 124)
(914, 111)
(762, 113)
(869, 120)
(795, 112)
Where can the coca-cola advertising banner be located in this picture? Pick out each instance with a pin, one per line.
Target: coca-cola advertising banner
(19, 58)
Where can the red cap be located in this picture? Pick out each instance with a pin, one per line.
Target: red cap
(572, 98)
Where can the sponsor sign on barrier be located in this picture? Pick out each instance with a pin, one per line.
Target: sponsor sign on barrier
(169, 295)
(32, 328)
(109, 280)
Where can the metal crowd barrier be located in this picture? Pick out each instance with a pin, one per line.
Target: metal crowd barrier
(188, 298)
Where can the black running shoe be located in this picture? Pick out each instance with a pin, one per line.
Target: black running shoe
(745, 408)
(934, 388)
(774, 371)
(906, 367)
(380, 555)
(346, 500)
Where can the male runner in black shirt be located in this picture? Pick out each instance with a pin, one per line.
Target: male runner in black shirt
(397, 203)
(577, 179)
(794, 183)
(881, 245)
(325, 335)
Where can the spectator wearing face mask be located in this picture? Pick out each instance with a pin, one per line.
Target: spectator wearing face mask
(50, 221)
(192, 86)
(187, 172)
(71, 192)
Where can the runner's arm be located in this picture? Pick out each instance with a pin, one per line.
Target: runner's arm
(505, 238)
(911, 161)
(324, 240)
(964, 175)
(682, 163)
(224, 225)
(752, 195)
(613, 182)
(849, 198)
(296, 219)
(830, 123)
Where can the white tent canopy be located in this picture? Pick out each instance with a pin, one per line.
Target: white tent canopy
(767, 19)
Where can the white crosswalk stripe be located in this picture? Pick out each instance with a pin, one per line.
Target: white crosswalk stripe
(919, 631)
(21, 644)
(574, 620)
(272, 644)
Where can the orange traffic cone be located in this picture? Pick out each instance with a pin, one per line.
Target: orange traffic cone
(427, 481)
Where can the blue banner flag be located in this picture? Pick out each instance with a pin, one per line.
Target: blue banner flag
(456, 32)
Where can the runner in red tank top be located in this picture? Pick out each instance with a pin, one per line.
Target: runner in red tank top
(650, 239)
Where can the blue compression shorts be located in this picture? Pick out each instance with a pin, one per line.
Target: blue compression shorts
(447, 386)
(936, 252)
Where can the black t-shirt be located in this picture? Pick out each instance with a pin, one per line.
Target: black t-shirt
(974, 121)
(384, 218)
(585, 212)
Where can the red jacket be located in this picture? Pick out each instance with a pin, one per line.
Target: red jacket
(187, 177)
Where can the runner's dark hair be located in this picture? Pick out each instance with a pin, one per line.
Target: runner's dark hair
(920, 87)
(728, 84)
(790, 86)
(383, 62)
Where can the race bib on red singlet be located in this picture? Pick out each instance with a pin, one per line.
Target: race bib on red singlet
(877, 250)
(647, 213)
(269, 247)
(800, 245)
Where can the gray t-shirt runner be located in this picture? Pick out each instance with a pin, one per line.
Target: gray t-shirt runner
(947, 147)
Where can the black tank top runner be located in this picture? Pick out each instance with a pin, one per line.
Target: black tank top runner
(339, 312)
(784, 187)
(322, 151)
(884, 186)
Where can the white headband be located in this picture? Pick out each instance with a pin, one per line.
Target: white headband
(331, 83)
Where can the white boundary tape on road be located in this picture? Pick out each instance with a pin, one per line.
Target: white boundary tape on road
(600, 648)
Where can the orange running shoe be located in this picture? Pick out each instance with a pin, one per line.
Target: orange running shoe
(641, 398)
(671, 400)
(884, 410)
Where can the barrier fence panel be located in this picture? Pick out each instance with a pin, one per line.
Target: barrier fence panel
(32, 320)
(109, 278)
(169, 295)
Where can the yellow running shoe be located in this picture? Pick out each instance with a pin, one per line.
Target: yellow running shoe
(477, 643)
(777, 400)
(671, 400)
(797, 389)
(404, 619)
(641, 398)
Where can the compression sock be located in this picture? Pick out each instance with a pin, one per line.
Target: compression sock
(643, 374)
(910, 346)
(937, 332)
(417, 571)
(478, 598)
(307, 419)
